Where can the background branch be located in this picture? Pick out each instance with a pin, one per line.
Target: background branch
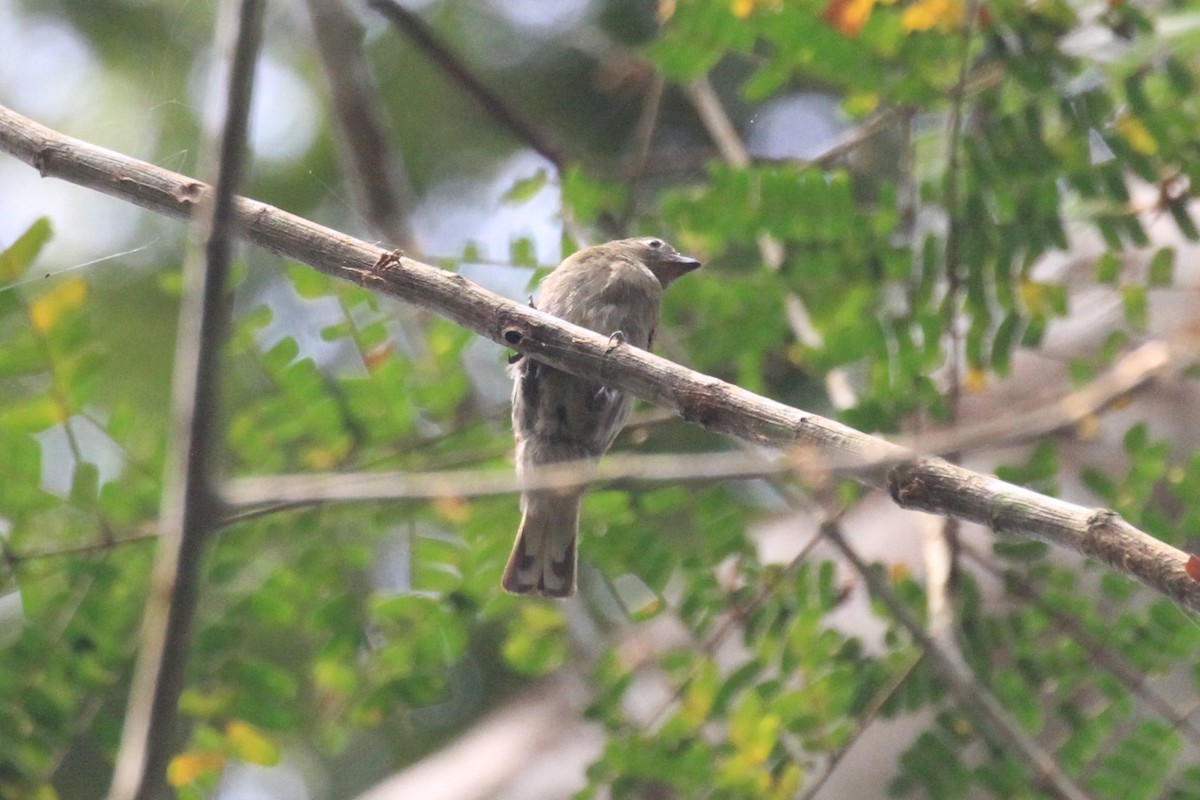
(499, 109)
(997, 725)
(190, 505)
(928, 484)
(376, 171)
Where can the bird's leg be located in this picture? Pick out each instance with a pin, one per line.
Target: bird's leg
(605, 396)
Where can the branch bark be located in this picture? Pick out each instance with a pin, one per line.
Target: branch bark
(503, 112)
(191, 507)
(995, 723)
(927, 484)
(375, 169)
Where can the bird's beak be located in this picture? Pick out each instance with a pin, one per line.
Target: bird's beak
(674, 266)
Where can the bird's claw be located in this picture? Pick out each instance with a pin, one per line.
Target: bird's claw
(615, 340)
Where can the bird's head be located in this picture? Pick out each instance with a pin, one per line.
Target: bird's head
(664, 261)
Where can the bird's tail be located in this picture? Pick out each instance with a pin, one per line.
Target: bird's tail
(543, 557)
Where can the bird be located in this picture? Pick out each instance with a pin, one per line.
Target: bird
(614, 289)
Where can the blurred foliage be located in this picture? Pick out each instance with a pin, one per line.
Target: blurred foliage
(981, 138)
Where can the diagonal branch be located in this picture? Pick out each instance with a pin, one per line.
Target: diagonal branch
(996, 723)
(375, 169)
(191, 508)
(496, 107)
(927, 484)
(723, 133)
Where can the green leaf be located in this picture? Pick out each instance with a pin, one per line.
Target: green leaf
(1137, 309)
(1162, 267)
(309, 283)
(525, 189)
(21, 254)
(1108, 267)
(522, 253)
(85, 484)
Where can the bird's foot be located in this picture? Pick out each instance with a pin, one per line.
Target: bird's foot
(615, 340)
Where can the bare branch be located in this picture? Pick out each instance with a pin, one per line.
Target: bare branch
(1135, 679)
(375, 169)
(411, 24)
(723, 133)
(352, 487)
(997, 725)
(1153, 361)
(928, 484)
(190, 506)
(861, 724)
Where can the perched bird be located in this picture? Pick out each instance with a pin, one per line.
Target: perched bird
(614, 289)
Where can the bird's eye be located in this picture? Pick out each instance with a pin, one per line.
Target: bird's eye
(655, 243)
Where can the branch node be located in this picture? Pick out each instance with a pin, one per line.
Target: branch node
(904, 484)
(389, 259)
(190, 192)
(1100, 519)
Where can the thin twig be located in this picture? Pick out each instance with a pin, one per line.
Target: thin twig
(415, 28)
(733, 150)
(102, 546)
(190, 507)
(864, 722)
(642, 138)
(1134, 679)
(953, 268)
(374, 167)
(1152, 362)
(995, 723)
(940, 547)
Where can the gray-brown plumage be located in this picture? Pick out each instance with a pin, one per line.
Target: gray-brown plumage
(557, 417)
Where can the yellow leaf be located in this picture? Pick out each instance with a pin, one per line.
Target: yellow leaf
(848, 17)
(48, 309)
(977, 380)
(44, 792)
(860, 103)
(1088, 429)
(698, 700)
(666, 10)
(454, 510)
(250, 745)
(1134, 131)
(927, 14)
(333, 676)
(195, 703)
(744, 8)
(187, 768)
(788, 784)
(1033, 295)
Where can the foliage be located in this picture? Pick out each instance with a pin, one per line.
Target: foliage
(987, 139)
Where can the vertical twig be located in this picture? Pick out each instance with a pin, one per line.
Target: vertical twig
(373, 167)
(941, 548)
(723, 133)
(953, 270)
(191, 507)
(643, 136)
